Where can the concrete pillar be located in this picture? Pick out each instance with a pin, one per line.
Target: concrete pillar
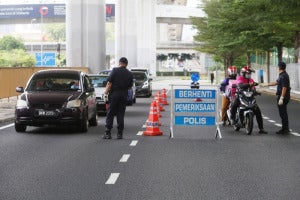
(136, 33)
(86, 44)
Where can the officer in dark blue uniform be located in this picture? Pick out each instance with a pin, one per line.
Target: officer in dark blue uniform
(119, 81)
(283, 96)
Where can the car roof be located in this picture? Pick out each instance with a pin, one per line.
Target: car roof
(98, 75)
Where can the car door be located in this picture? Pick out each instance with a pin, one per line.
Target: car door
(90, 96)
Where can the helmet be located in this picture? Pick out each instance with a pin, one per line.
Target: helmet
(246, 72)
(232, 71)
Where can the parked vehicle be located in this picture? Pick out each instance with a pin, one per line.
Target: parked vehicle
(99, 83)
(56, 97)
(143, 84)
(245, 114)
(131, 95)
(142, 70)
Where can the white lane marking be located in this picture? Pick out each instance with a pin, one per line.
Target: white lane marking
(272, 121)
(279, 125)
(295, 134)
(133, 143)
(266, 117)
(112, 178)
(144, 126)
(125, 158)
(140, 133)
(6, 126)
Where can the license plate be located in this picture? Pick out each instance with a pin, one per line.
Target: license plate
(46, 113)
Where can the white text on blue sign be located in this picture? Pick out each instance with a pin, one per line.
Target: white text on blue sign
(193, 93)
(195, 120)
(195, 107)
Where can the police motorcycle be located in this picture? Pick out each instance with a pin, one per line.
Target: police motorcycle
(244, 117)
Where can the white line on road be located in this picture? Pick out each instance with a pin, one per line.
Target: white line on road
(133, 143)
(272, 121)
(112, 178)
(295, 134)
(279, 125)
(125, 158)
(7, 126)
(140, 133)
(144, 126)
(266, 117)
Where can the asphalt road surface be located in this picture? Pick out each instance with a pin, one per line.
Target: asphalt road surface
(61, 163)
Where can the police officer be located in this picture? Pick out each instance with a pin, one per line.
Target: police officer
(283, 96)
(119, 81)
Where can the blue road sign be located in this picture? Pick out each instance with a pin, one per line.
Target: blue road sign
(48, 60)
(192, 93)
(195, 107)
(195, 120)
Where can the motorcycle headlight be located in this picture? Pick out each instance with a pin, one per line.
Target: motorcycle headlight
(248, 94)
(145, 84)
(74, 103)
(21, 104)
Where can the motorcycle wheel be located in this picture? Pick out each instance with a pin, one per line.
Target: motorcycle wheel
(249, 124)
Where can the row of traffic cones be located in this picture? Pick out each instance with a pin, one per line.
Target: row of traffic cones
(153, 123)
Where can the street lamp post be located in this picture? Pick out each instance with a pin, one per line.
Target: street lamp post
(43, 12)
(32, 20)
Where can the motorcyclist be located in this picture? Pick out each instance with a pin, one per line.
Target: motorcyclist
(244, 82)
(228, 91)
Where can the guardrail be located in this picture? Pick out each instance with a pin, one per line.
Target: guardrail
(10, 78)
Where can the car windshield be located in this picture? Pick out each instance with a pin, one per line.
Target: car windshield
(139, 76)
(54, 83)
(98, 81)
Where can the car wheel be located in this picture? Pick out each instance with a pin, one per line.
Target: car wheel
(84, 124)
(93, 121)
(20, 127)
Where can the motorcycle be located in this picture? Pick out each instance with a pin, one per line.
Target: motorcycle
(245, 114)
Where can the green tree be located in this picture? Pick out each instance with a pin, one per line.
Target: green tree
(8, 43)
(57, 32)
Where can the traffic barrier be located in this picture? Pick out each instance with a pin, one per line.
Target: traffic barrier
(164, 97)
(152, 123)
(156, 104)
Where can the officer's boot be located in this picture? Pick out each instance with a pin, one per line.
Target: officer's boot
(120, 134)
(107, 134)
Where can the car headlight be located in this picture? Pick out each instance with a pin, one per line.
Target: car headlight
(145, 84)
(21, 104)
(74, 103)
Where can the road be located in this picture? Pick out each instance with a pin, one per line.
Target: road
(59, 163)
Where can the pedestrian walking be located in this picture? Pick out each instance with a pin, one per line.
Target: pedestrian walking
(283, 93)
(119, 81)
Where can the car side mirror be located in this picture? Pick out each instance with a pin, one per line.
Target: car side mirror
(20, 89)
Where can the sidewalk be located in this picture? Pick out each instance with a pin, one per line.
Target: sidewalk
(7, 105)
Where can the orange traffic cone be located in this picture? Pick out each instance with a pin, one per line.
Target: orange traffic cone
(152, 124)
(164, 97)
(153, 114)
(156, 104)
(159, 102)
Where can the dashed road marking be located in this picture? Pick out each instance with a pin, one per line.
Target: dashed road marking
(295, 134)
(140, 133)
(6, 126)
(133, 143)
(278, 125)
(125, 158)
(144, 126)
(266, 117)
(112, 178)
(272, 121)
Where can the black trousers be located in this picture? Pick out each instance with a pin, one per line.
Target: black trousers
(256, 111)
(116, 107)
(283, 113)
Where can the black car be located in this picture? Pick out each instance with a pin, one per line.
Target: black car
(56, 97)
(143, 84)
